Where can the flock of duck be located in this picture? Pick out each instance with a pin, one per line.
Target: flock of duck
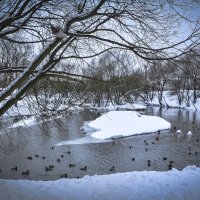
(47, 168)
(112, 169)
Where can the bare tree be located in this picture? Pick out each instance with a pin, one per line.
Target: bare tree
(85, 29)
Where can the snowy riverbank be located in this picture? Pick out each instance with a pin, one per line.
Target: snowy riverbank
(145, 185)
(170, 100)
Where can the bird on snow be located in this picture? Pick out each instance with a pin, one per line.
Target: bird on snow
(57, 31)
(138, 114)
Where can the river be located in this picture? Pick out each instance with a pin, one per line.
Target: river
(33, 148)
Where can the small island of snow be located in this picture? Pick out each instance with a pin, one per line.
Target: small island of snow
(125, 123)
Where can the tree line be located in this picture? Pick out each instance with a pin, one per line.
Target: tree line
(32, 54)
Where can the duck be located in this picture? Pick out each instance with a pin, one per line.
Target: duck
(36, 155)
(133, 159)
(149, 163)
(68, 152)
(170, 166)
(112, 169)
(84, 168)
(178, 133)
(71, 165)
(58, 160)
(48, 169)
(63, 176)
(14, 168)
(157, 138)
(164, 158)
(25, 173)
(30, 158)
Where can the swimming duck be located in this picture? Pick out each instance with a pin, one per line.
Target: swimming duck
(112, 169)
(48, 169)
(170, 166)
(71, 165)
(14, 168)
(84, 168)
(63, 176)
(149, 163)
(25, 173)
(68, 152)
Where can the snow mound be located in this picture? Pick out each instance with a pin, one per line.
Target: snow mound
(125, 123)
(145, 185)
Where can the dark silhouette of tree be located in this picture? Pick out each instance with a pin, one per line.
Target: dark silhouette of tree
(90, 28)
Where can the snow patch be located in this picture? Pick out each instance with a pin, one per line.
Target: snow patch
(125, 123)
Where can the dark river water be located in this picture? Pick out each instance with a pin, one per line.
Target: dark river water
(125, 154)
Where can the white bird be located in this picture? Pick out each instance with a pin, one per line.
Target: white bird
(189, 133)
(179, 132)
(58, 32)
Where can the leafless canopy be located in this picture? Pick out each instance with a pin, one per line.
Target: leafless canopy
(146, 29)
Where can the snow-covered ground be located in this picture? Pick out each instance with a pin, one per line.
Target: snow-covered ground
(145, 185)
(27, 107)
(24, 122)
(125, 123)
(111, 107)
(172, 101)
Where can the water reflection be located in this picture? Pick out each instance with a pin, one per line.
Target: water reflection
(125, 154)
